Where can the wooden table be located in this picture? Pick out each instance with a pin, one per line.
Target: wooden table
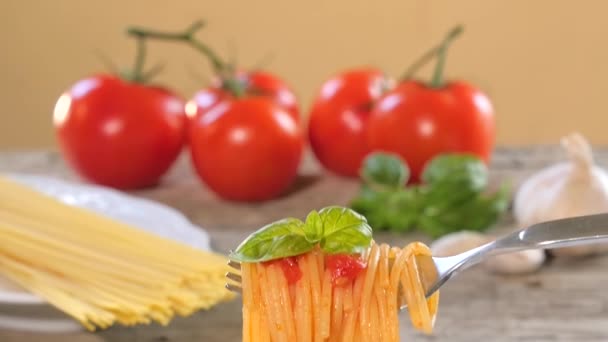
(565, 301)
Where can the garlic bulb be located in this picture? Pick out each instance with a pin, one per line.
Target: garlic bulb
(520, 262)
(512, 263)
(571, 188)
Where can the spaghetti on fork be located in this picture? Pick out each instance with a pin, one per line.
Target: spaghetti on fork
(325, 279)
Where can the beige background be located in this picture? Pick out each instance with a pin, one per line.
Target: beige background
(544, 63)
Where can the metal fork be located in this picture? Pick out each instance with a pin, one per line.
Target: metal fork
(234, 280)
(435, 271)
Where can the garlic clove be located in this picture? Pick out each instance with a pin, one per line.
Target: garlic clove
(516, 263)
(458, 242)
(512, 263)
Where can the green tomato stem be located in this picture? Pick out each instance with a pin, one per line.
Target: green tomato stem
(437, 80)
(224, 70)
(419, 63)
(140, 58)
(188, 32)
(107, 62)
(152, 72)
(428, 55)
(186, 36)
(218, 65)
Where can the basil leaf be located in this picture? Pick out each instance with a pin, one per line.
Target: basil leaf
(345, 231)
(478, 213)
(336, 229)
(463, 171)
(313, 228)
(401, 210)
(443, 196)
(279, 239)
(451, 180)
(389, 210)
(384, 169)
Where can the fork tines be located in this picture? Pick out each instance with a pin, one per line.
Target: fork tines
(235, 264)
(234, 280)
(234, 276)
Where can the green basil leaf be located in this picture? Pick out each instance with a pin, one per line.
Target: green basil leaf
(457, 170)
(445, 195)
(279, 239)
(384, 169)
(336, 229)
(433, 226)
(402, 209)
(389, 210)
(366, 201)
(345, 231)
(370, 204)
(479, 213)
(313, 228)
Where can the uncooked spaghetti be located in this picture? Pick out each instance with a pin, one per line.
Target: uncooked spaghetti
(100, 271)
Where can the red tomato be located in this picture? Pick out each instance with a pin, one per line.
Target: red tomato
(343, 267)
(419, 122)
(245, 149)
(290, 266)
(338, 119)
(266, 84)
(119, 134)
(257, 83)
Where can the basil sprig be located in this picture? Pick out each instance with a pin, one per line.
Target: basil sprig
(335, 229)
(452, 196)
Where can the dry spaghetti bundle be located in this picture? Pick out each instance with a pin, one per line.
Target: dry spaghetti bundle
(318, 306)
(98, 270)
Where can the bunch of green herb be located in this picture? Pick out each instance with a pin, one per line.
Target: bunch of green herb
(451, 197)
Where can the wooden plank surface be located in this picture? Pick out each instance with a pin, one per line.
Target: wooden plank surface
(565, 301)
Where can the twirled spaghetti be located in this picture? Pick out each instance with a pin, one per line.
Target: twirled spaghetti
(309, 299)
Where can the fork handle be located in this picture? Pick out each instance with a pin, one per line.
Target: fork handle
(566, 232)
(546, 235)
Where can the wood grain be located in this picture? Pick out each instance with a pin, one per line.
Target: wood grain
(565, 301)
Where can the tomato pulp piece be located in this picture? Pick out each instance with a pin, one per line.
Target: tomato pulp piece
(290, 267)
(344, 267)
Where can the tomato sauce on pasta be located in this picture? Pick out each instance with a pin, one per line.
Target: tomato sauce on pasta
(321, 297)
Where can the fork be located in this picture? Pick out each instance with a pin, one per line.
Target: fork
(435, 271)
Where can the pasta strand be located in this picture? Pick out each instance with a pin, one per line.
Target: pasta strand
(364, 308)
